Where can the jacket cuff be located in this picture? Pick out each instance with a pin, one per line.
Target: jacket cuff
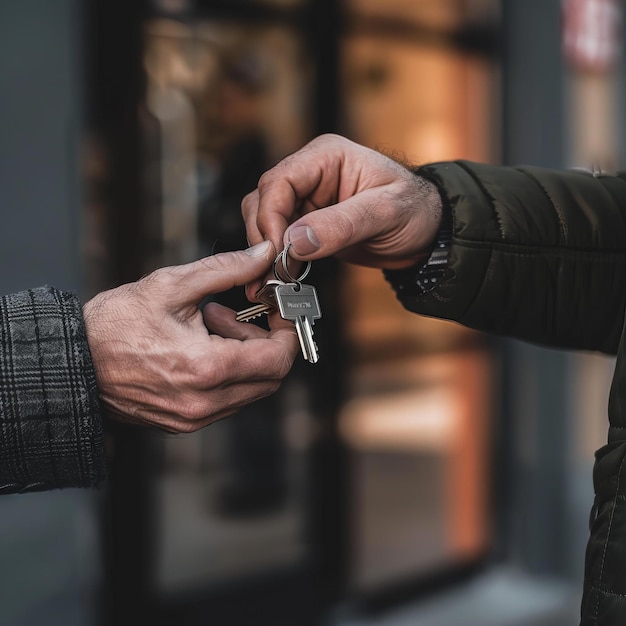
(423, 278)
(50, 423)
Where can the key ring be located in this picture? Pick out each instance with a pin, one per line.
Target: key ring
(290, 279)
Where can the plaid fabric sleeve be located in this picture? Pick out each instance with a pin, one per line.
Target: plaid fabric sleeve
(50, 424)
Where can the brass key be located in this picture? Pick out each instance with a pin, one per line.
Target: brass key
(266, 304)
(252, 312)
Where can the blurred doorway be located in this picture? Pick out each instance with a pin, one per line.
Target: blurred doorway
(368, 471)
(215, 523)
(418, 85)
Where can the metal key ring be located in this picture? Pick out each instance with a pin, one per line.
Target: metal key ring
(290, 279)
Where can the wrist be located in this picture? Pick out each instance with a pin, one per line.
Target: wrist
(429, 270)
(427, 211)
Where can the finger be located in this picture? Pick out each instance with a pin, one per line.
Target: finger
(335, 228)
(249, 211)
(314, 172)
(221, 320)
(222, 272)
(276, 205)
(252, 289)
(227, 361)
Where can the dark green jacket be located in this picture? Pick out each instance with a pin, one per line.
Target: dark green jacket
(541, 255)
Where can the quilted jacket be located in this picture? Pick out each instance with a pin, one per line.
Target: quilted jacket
(50, 425)
(541, 255)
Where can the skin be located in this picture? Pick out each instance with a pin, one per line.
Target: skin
(355, 203)
(162, 362)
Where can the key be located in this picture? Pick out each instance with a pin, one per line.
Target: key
(267, 293)
(268, 302)
(252, 312)
(299, 303)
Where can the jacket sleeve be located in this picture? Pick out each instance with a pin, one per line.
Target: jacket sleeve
(536, 254)
(50, 425)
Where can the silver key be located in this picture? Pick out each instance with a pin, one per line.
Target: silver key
(299, 303)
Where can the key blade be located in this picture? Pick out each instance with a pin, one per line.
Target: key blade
(302, 341)
(252, 312)
(305, 335)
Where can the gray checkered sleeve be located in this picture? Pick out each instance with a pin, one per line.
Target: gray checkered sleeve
(50, 424)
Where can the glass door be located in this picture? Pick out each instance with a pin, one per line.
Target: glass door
(215, 523)
(225, 99)
(419, 408)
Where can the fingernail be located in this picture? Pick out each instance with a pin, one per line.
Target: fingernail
(303, 240)
(261, 249)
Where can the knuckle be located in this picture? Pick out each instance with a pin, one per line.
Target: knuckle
(218, 262)
(213, 375)
(161, 278)
(194, 411)
(187, 426)
(326, 137)
(247, 205)
(267, 178)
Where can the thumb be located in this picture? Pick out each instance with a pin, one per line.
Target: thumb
(334, 228)
(224, 271)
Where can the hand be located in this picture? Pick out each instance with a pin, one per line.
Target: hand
(157, 364)
(347, 200)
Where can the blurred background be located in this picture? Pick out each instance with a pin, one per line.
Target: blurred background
(421, 473)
